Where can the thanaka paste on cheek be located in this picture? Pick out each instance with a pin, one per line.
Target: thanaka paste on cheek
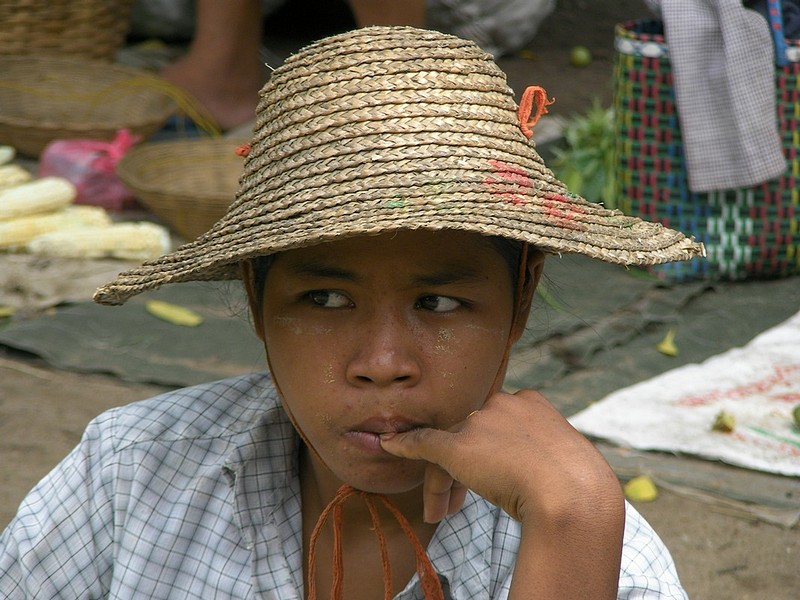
(324, 418)
(450, 377)
(445, 340)
(291, 323)
(500, 334)
(296, 326)
(328, 373)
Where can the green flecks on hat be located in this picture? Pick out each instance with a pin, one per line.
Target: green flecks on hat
(620, 221)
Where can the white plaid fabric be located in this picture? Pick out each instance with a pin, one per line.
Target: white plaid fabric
(723, 67)
(195, 494)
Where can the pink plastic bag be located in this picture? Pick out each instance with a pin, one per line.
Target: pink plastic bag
(91, 166)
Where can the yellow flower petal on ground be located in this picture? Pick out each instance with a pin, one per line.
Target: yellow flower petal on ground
(172, 313)
(724, 422)
(667, 345)
(640, 489)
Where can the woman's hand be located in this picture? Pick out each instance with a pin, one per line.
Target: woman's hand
(519, 453)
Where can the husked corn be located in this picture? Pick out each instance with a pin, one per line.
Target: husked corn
(39, 196)
(127, 241)
(7, 154)
(13, 175)
(16, 233)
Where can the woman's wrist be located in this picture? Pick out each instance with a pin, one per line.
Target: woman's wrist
(573, 550)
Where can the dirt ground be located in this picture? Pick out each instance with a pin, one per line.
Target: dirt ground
(43, 411)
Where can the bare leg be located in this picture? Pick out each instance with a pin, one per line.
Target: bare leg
(381, 12)
(222, 67)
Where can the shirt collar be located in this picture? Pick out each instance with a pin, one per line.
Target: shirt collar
(262, 466)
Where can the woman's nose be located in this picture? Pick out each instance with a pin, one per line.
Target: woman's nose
(385, 353)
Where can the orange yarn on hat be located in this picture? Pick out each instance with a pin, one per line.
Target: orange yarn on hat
(533, 96)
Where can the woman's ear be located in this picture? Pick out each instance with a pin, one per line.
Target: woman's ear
(249, 281)
(533, 274)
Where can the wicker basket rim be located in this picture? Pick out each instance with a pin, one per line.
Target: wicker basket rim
(193, 150)
(86, 71)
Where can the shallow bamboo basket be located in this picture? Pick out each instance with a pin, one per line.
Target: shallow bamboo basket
(44, 98)
(189, 184)
(88, 28)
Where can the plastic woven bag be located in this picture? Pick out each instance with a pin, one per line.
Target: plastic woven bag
(751, 232)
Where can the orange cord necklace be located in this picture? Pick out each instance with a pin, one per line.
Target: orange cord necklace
(429, 580)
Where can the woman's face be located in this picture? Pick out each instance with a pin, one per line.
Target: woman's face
(385, 333)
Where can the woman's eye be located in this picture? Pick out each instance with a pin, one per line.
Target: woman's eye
(329, 299)
(438, 303)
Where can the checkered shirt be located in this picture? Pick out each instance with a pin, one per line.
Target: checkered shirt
(195, 494)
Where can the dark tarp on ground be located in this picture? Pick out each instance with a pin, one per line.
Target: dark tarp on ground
(593, 330)
(133, 345)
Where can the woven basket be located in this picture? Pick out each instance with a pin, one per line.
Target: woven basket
(189, 184)
(47, 98)
(90, 28)
(749, 232)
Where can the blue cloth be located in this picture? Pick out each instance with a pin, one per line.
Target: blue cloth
(791, 15)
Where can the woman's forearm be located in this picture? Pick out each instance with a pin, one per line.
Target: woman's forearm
(572, 556)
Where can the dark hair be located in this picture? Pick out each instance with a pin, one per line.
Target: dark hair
(260, 265)
(510, 250)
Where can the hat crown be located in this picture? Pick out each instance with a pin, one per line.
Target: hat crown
(388, 128)
(376, 95)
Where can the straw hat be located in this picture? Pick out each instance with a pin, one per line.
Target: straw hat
(387, 128)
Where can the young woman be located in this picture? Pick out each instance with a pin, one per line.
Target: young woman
(390, 229)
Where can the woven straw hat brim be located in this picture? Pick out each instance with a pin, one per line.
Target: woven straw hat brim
(384, 129)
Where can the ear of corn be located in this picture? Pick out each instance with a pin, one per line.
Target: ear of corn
(16, 233)
(40, 196)
(127, 241)
(7, 154)
(13, 175)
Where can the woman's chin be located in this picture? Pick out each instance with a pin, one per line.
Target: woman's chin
(387, 481)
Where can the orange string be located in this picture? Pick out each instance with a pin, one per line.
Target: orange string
(337, 585)
(518, 293)
(429, 580)
(343, 494)
(387, 567)
(534, 96)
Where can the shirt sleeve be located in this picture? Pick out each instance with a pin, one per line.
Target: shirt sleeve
(647, 571)
(59, 545)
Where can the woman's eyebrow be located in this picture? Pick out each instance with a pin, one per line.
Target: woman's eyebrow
(443, 276)
(318, 269)
(450, 275)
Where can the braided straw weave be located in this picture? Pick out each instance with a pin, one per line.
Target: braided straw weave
(388, 128)
(748, 232)
(88, 28)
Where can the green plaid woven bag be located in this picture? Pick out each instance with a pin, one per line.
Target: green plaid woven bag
(748, 232)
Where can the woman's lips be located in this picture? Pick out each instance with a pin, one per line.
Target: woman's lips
(367, 434)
